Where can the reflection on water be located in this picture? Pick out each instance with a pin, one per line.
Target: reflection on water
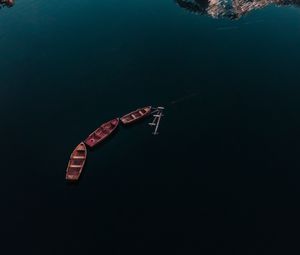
(232, 9)
(8, 3)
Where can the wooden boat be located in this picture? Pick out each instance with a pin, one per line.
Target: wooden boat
(136, 115)
(76, 162)
(102, 132)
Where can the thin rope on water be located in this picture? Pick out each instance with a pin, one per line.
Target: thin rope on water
(184, 98)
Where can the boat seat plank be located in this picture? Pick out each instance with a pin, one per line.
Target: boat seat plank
(78, 157)
(75, 165)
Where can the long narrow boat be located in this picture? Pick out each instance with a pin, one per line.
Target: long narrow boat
(76, 162)
(102, 132)
(136, 115)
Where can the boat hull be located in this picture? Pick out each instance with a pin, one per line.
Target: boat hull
(100, 134)
(76, 162)
(136, 115)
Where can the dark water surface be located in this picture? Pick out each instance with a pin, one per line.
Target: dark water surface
(223, 175)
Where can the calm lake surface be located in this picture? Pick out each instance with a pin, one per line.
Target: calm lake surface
(223, 175)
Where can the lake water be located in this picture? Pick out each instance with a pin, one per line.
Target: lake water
(223, 175)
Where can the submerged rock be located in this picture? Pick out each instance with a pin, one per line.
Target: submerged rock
(8, 3)
(232, 9)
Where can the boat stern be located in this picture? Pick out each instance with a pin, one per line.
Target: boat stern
(72, 178)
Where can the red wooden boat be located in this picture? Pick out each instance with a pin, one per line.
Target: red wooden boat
(76, 162)
(102, 132)
(136, 115)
